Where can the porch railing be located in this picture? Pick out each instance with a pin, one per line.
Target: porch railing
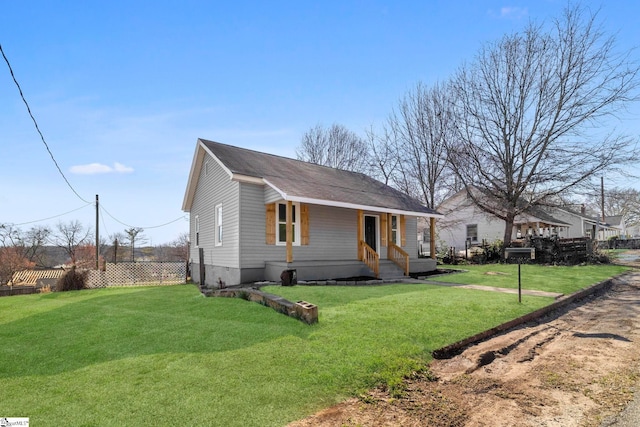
(396, 254)
(370, 257)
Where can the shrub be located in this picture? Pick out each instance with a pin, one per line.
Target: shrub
(73, 280)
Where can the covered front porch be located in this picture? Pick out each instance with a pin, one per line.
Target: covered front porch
(540, 225)
(384, 243)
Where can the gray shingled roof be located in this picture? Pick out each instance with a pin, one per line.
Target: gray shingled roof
(300, 179)
(545, 216)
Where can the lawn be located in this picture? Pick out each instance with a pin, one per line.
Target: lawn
(560, 279)
(150, 355)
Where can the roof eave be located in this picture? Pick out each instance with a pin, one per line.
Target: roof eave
(194, 173)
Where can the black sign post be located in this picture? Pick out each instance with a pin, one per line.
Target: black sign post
(520, 254)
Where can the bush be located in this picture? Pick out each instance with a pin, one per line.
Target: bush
(73, 280)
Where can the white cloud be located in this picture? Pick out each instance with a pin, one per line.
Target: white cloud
(513, 12)
(97, 168)
(120, 168)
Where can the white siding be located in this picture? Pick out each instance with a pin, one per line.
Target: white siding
(458, 213)
(578, 226)
(216, 188)
(271, 195)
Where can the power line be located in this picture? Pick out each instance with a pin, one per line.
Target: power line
(53, 217)
(132, 226)
(38, 128)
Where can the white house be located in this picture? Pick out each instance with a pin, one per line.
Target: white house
(466, 224)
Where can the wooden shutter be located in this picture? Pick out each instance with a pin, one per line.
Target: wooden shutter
(304, 224)
(403, 231)
(383, 230)
(271, 224)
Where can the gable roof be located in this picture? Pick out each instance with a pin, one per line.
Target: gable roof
(588, 219)
(305, 182)
(530, 214)
(614, 220)
(544, 216)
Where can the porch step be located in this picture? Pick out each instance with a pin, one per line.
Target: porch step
(389, 270)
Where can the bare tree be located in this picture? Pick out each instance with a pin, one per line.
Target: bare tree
(180, 247)
(618, 201)
(35, 240)
(134, 235)
(383, 158)
(12, 252)
(422, 125)
(528, 110)
(336, 147)
(29, 244)
(70, 237)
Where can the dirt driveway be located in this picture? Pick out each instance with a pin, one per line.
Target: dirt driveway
(575, 367)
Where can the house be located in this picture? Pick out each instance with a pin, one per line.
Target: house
(254, 215)
(583, 225)
(618, 228)
(467, 225)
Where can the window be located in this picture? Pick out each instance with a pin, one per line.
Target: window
(395, 229)
(281, 224)
(472, 233)
(218, 225)
(197, 231)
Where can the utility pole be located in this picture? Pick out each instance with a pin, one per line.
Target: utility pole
(602, 196)
(97, 236)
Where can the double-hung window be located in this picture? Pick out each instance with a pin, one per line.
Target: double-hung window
(395, 229)
(472, 233)
(218, 225)
(281, 223)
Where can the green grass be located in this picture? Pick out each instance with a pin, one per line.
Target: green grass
(144, 356)
(558, 279)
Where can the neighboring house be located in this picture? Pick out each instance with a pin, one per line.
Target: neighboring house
(254, 215)
(583, 225)
(466, 225)
(618, 227)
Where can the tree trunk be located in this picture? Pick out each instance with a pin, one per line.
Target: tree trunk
(508, 232)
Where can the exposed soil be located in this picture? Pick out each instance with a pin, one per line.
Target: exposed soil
(575, 367)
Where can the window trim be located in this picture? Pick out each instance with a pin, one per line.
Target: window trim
(219, 223)
(471, 239)
(296, 224)
(398, 240)
(197, 230)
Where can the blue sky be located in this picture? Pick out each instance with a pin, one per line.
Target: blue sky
(121, 90)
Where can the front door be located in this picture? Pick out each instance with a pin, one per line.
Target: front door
(371, 231)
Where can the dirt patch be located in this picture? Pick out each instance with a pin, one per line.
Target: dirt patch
(573, 368)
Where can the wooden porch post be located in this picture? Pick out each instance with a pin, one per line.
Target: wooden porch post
(289, 233)
(432, 237)
(360, 232)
